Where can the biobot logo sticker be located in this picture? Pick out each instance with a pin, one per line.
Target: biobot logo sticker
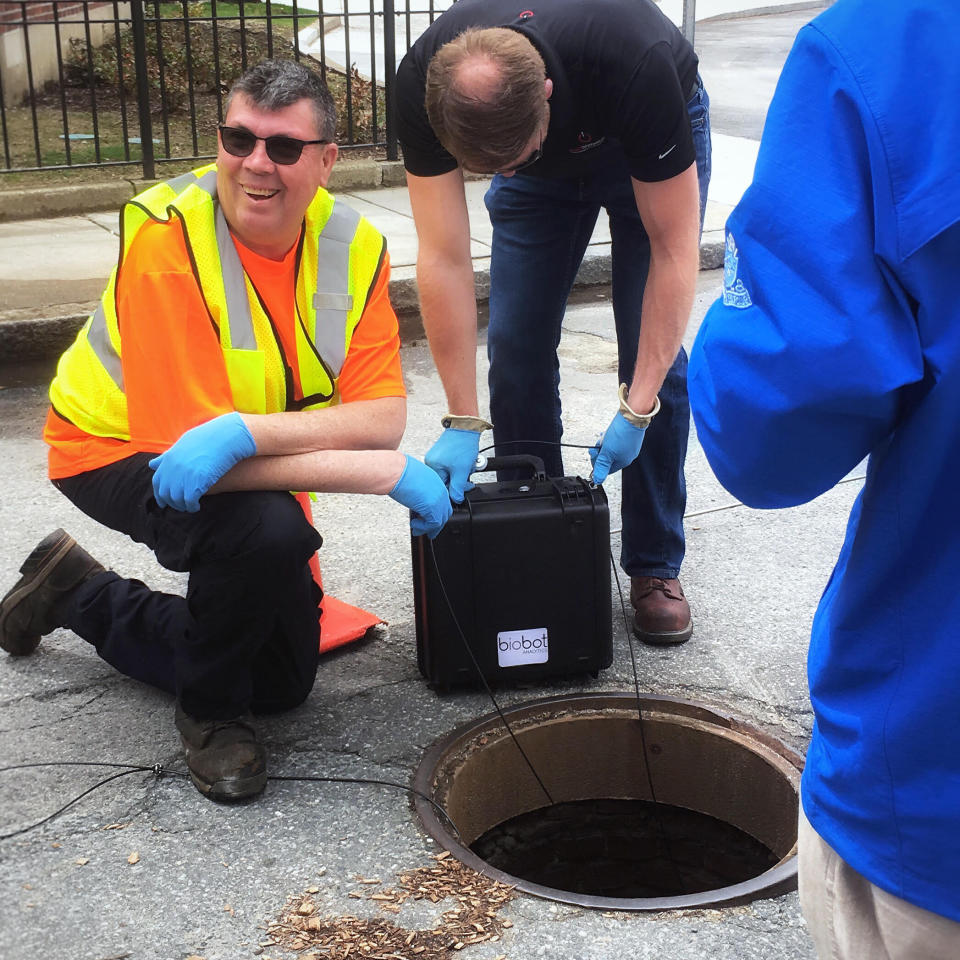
(516, 648)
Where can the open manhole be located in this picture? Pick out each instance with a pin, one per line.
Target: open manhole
(722, 829)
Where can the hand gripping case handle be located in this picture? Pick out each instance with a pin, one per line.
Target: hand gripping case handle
(511, 462)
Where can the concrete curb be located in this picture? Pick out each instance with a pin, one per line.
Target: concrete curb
(769, 10)
(45, 338)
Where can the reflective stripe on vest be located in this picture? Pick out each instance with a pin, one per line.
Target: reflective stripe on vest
(333, 301)
(241, 335)
(101, 345)
(339, 248)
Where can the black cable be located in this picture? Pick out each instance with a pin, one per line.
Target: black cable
(664, 839)
(549, 443)
(159, 771)
(738, 504)
(633, 658)
(381, 783)
(483, 679)
(662, 836)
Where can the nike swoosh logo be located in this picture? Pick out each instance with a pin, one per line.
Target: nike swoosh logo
(662, 155)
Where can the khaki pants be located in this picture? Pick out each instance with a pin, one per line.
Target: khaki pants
(851, 919)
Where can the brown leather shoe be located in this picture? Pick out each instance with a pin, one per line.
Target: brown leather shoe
(224, 758)
(34, 606)
(662, 612)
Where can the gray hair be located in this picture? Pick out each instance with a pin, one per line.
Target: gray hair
(275, 84)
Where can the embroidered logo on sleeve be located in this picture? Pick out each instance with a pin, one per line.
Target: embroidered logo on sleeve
(735, 294)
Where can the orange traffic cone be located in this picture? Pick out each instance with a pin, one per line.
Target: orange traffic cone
(340, 623)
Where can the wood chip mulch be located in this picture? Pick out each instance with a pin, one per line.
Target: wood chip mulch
(474, 920)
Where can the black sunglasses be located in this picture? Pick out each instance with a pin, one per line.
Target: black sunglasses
(241, 143)
(529, 162)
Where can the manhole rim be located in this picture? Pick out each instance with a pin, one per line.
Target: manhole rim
(778, 880)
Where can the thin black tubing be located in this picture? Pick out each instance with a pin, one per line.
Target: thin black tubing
(483, 679)
(159, 772)
(128, 769)
(381, 783)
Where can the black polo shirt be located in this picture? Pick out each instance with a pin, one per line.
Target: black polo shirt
(621, 72)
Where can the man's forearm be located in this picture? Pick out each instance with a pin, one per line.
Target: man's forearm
(449, 309)
(667, 302)
(670, 210)
(326, 471)
(361, 425)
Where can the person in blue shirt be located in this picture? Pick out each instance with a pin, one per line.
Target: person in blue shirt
(838, 338)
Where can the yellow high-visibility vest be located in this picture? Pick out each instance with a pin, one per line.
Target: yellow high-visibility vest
(337, 265)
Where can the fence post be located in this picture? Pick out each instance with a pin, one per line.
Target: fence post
(689, 19)
(143, 90)
(390, 76)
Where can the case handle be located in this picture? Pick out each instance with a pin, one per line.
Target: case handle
(511, 462)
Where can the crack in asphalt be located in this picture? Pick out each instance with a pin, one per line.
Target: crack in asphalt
(46, 696)
(57, 720)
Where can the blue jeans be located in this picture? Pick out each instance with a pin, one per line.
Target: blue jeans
(541, 228)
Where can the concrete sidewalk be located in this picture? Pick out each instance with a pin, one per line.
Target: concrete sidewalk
(53, 271)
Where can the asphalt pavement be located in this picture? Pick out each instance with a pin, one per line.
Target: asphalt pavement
(146, 868)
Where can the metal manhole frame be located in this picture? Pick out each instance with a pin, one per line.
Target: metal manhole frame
(776, 881)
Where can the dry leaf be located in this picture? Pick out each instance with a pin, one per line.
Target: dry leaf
(135, 858)
(82, 861)
(473, 918)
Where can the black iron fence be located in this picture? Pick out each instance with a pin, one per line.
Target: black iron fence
(142, 83)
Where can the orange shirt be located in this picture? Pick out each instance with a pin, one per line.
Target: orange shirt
(173, 371)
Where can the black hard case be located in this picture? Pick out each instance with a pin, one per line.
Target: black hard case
(521, 557)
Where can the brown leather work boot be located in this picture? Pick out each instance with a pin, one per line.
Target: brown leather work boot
(662, 612)
(34, 607)
(224, 758)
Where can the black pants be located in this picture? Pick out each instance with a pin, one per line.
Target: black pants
(246, 635)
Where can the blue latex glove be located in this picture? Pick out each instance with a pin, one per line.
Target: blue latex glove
(198, 460)
(453, 457)
(420, 489)
(617, 448)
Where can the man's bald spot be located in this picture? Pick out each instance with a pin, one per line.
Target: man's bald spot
(479, 78)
